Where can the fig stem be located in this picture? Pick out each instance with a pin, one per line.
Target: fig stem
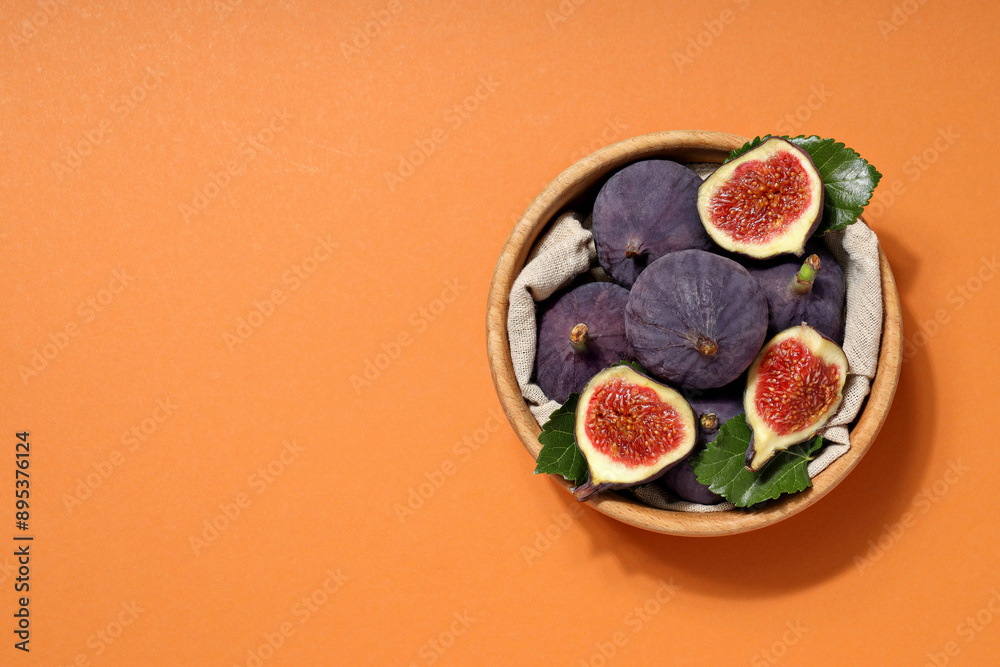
(710, 421)
(633, 249)
(578, 337)
(803, 282)
(707, 346)
(585, 490)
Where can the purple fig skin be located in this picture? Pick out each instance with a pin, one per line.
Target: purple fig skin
(560, 368)
(724, 405)
(645, 211)
(751, 453)
(588, 488)
(696, 319)
(684, 483)
(822, 307)
(681, 479)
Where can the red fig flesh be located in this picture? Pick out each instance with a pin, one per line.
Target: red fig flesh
(794, 387)
(763, 203)
(630, 429)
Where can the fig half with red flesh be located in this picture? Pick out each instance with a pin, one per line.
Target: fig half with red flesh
(764, 203)
(631, 429)
(794, 387)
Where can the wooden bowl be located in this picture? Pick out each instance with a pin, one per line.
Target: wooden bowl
(681, 146)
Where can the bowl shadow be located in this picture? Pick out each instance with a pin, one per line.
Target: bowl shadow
(826, 539)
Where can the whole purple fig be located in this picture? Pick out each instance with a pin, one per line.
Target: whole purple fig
(810, 291)
(645, 211)
(696, 319)
(580, 334)
(711, 411)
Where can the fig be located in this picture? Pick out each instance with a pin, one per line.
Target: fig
(579, 334)
(810, 291)
(696, 319)
(710, 412)
(682, 481)
(795, 385)
(630, 429)
(764, 203)
(645, 211)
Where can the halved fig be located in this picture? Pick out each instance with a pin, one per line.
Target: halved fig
(696, 319)
(630, 429)
(766, 202)
(795, 385)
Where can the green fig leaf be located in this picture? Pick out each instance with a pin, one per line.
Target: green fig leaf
(560, 455)
(721, 466)
(848, 179)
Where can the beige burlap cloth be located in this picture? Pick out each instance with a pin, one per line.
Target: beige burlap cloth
(566, 251)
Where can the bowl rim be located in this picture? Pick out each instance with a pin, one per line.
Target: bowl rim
(683, 146)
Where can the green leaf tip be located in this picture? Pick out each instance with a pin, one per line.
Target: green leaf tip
(559, 454)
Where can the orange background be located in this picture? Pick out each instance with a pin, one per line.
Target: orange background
(229, 161)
